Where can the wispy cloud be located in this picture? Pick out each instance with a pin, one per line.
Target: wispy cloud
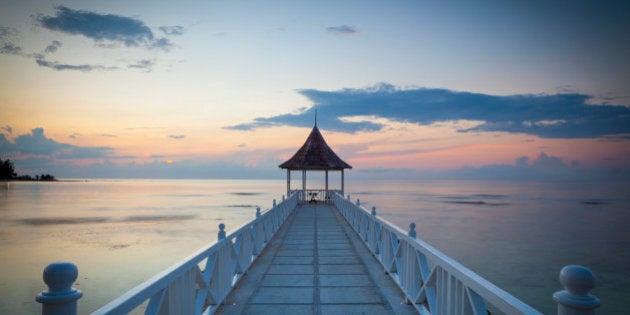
(7, 41)
(177, 137)
(10, 49)
(144, 64)
(7, 46)
(172, 30)
(62, 66)
(53, 47)
(342, 30)
(36, 143)
(546, 116)
(8, 129)
(104, 29)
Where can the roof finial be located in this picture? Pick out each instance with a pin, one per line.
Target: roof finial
(315, 117)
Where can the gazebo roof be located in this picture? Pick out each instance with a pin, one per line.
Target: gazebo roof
(315, 154)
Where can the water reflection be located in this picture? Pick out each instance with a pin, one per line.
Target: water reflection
(56, 221)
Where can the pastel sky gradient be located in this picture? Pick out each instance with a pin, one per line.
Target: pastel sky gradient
(207, 89)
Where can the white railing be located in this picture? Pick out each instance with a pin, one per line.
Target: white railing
(201, 282)
(431, 281)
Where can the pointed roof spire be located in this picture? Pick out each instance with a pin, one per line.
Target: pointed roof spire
(315, 154)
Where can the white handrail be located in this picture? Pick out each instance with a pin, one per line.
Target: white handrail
(201, 282)
(431, 281)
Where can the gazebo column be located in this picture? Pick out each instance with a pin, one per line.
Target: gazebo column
(288, 183)
(326, 193)
(343, 192)
(304, 185)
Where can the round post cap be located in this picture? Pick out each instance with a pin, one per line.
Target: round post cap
(578, 281)
(59, 277)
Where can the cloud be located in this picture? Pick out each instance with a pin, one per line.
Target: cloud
(7, 38)
(62, 66)
(342, 30)
(172, 30)
(144, 64)
(10, 49)
(8, 129)
(177, 137)
(36, 143)
(542, 167)
(53, 47)
(7, 33)
(7, 46)
(104, 29)
(545, 116)
(74, 135)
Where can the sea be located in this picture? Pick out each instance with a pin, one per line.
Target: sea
(516, 234)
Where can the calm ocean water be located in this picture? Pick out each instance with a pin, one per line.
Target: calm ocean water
(121, 232)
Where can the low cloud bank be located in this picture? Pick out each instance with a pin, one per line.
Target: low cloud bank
(546, 116)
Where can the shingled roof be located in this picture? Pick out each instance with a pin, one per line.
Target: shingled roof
(315, 154)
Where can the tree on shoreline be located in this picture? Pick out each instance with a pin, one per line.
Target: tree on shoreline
(7, 170)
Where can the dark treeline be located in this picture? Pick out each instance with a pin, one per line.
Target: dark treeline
(7, 172)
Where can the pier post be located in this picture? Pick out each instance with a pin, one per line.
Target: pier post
(60, 298)
(576, 298)
(221, 234)
(412, 230)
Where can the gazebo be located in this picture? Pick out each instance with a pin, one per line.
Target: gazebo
(314, 155)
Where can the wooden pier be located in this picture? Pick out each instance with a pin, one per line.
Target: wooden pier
(316, 264)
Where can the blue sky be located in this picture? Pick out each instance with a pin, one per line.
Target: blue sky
(413, 87)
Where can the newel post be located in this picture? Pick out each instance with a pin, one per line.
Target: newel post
(257, 212)
(60, 298)
(274, 203)
(221, 234)
(412, 230)
(576, 298)
(373, 210)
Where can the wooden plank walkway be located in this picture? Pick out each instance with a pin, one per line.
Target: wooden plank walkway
(316, 264)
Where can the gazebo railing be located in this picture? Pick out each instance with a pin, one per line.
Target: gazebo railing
(431, 281)
(201, 282)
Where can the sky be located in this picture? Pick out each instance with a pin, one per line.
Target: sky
(402, 89)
